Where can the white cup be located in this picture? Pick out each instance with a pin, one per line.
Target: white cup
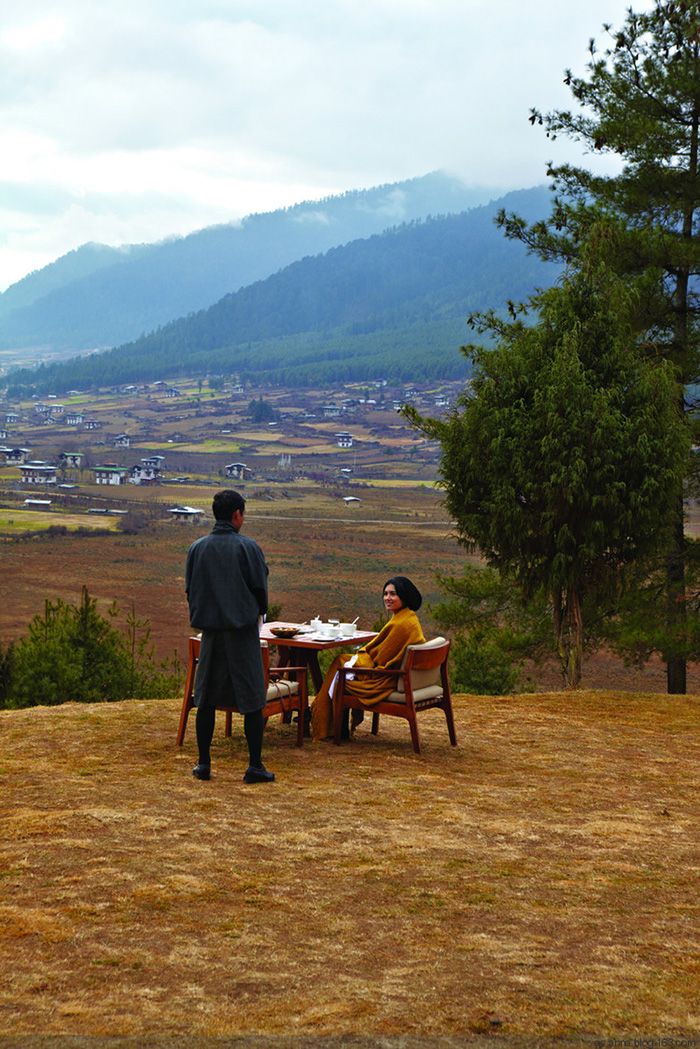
(315, 624)
(330, 630)
(346, 629)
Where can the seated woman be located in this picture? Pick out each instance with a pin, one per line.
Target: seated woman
(386, 650)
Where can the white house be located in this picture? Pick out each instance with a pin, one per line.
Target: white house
(121, 440)
(143, 474)
(238, 472)
(74, 418)
(72, 459)
(111, 474)
(186, 513)
(344, 440)
(38, 473)
(17, 455)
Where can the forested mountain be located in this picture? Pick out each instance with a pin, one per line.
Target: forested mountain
(98, 296)
(393, 305)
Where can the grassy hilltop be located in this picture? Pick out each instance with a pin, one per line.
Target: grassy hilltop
(537, 882)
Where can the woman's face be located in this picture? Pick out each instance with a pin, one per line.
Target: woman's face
(392, 601)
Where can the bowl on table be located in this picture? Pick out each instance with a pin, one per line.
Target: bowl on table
(346, 629)
(284, 631)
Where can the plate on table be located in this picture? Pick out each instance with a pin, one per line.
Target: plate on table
(285, 631)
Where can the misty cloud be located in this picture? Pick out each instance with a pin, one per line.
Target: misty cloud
(148, 112)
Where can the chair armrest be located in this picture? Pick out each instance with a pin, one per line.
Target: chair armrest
(369, 672)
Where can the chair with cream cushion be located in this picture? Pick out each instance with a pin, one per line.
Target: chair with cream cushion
(422, 682)
(286, 692)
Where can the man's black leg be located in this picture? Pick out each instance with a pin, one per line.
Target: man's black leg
(206, 716)
(254, 726)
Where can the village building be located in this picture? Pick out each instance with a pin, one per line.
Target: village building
(92, 424)
(11, 418)
(110, 473)
(172, 392)
(74, 418)
(143, 474)
(330, 411)
(38, 473)
(3, 433)
(122, 440)
(186, 513)
(154, 460)
(238, 472)
(71, 459)
(15, 456)
(344, 440)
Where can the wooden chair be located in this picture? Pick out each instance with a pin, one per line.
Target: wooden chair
(285, 694)
(421, 683)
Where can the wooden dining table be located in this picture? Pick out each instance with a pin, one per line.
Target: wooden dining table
(305, 646)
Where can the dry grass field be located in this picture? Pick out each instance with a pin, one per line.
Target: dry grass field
(535, 885)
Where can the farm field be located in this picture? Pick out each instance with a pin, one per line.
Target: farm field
(326, 556)
(535, 885)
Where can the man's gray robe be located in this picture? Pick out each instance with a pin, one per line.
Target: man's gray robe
(226, 583)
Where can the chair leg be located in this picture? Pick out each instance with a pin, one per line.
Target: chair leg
(449, 717)
(187, 702)
(228, 722)
(303, 704)
(375, 724)
(414, 732)
(187, 705)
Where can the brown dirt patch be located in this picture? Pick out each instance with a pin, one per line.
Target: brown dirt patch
(323, 557)
(539, 881)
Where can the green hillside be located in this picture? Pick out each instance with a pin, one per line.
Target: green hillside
(393, 305)
(96, 296)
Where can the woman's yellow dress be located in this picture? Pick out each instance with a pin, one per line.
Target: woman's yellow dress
(386, 650)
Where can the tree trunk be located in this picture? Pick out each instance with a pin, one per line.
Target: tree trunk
(676, 609)
(568, 633)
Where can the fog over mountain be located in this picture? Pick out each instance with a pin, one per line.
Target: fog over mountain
(394, 304)
(97, 296)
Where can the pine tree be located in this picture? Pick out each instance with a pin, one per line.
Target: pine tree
(560, 458)
(640, 101)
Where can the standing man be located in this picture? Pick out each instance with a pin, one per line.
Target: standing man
(226, 583)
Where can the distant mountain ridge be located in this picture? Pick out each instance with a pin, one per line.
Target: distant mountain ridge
(97, 296)
(393, 305)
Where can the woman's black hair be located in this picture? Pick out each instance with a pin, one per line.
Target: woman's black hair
(407, 593)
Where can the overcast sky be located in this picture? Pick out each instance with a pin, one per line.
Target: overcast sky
(126, 121)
